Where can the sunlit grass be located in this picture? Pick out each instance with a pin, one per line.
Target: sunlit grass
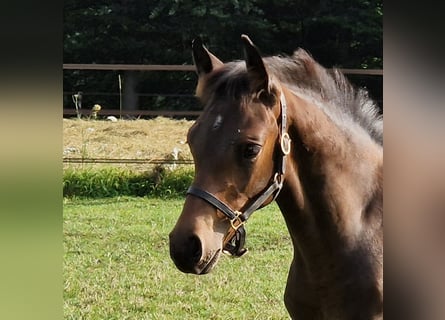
(90, 182)
(117, 265)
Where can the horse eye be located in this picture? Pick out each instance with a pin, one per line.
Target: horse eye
(251, 150)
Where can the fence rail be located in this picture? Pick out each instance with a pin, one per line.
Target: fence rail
(156, 67)
(135, 113)
(182, 67)
(128, 161)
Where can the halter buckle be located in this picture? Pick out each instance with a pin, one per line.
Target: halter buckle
(237, 219)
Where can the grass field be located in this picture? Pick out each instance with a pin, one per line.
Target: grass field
(117, 265)
(116, 256)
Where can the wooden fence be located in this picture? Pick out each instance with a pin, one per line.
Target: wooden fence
(126, 161)
(183, 68)
(180, 67)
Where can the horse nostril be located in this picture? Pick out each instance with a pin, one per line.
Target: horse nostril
(195, 249)
(186, 252)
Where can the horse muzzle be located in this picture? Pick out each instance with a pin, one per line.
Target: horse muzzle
(189, 254)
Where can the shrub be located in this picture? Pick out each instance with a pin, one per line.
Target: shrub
(111, 182)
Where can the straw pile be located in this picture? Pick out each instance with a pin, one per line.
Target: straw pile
(128, 139)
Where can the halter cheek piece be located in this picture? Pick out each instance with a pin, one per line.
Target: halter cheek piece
(234, 240)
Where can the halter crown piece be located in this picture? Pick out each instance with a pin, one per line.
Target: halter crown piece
(234, 240)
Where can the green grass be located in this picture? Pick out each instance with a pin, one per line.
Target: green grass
(117, 265)
(90, 182)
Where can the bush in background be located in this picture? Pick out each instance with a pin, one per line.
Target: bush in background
(112, 182)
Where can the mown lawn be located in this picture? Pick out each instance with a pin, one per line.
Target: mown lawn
(117, 265)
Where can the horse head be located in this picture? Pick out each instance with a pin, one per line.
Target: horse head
(237, 153)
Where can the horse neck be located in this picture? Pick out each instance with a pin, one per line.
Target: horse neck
(331, 201)
(333, 176)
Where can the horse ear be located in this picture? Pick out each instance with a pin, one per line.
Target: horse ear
(204, 61)
(257, 73)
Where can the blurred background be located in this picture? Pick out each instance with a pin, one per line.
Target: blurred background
(338, 33)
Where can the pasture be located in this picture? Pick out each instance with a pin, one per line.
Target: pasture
(116, 253)
(117, 265)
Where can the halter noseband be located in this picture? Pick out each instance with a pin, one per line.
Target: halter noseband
(233, 242)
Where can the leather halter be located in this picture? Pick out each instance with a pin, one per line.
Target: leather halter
(233, 242)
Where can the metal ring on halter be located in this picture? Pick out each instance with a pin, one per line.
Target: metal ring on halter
(285, 143)
(237, 218)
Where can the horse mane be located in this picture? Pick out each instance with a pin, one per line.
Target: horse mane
(338, 98)
(330, 90)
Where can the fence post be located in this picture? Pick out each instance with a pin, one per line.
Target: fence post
(120, 96)
(77, 99)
